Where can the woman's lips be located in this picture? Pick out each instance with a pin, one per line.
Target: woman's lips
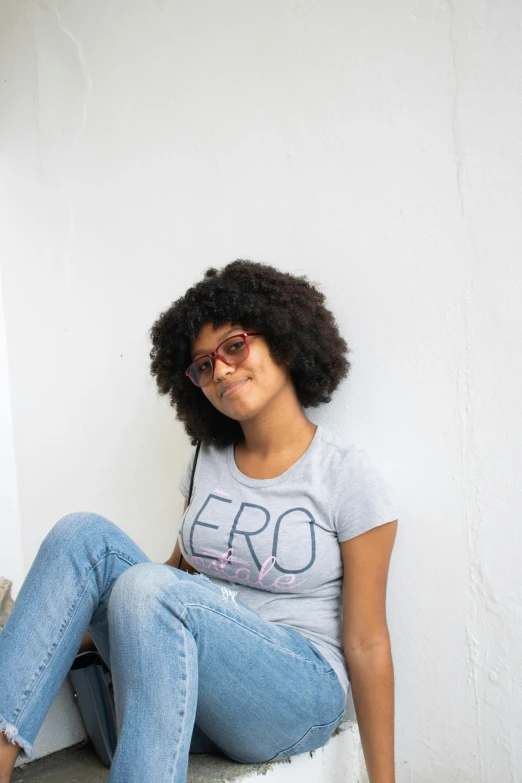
(234, 387)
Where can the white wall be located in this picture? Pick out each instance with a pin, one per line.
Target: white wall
(376, 147)
(63, 725)
(11, 560)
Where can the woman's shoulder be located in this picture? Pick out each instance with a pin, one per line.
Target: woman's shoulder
(347, 460)
(335, 449)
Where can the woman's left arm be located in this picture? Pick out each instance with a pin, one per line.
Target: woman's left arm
(367, 648)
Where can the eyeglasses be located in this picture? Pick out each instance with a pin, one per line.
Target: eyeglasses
(232, 351)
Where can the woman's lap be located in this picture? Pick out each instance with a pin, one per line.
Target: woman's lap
(179, 644)
(261, 686)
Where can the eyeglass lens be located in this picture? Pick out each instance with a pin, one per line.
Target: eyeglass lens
(233, 350)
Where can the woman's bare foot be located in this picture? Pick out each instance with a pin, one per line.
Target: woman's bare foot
(8, 756)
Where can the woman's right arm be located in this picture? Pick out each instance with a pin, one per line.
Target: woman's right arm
(174, 558)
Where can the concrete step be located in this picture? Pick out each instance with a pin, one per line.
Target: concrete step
(339, 761)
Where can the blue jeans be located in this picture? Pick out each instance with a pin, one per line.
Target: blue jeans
(193, 669)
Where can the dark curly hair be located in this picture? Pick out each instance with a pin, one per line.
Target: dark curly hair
(287, 309)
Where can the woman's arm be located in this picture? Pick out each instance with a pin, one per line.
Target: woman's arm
(87, 644)
(367, 646)
(174, 558)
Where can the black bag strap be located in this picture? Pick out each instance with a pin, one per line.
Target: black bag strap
(198, 446)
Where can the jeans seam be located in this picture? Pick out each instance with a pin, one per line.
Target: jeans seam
(317, 666)
(72, 610)
(186, 691)
(307, 732)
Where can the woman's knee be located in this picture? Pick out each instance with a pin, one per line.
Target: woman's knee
(140, 584)
(142, 587)
(76, 527)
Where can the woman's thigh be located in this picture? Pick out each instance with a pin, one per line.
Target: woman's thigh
(264, 691)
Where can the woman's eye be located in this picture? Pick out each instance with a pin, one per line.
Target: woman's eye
(237, 345)
(203, 366)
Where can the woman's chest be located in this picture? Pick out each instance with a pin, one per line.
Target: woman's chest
(278, 541)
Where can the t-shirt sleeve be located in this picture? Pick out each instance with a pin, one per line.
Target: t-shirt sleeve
(186, 472)
(363, 499)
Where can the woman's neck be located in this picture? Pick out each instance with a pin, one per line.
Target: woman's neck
(270, 453)
(277, 435)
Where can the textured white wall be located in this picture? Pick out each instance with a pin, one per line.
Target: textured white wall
(376, 147)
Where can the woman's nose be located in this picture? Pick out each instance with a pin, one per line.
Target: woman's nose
(221, 369)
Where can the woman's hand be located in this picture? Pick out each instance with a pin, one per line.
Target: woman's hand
(87, 644)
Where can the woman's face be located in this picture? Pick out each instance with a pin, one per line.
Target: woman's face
(243, 390)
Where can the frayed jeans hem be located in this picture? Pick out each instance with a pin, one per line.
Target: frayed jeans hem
(11, 732)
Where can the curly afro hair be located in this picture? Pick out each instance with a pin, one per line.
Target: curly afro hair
(287, 309)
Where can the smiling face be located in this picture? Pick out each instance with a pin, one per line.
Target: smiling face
(244, 390)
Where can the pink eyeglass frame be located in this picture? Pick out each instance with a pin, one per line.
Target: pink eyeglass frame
(216, 353)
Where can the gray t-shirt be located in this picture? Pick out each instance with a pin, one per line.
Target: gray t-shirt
(276, 541)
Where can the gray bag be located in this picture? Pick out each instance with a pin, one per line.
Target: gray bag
(92, 683)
